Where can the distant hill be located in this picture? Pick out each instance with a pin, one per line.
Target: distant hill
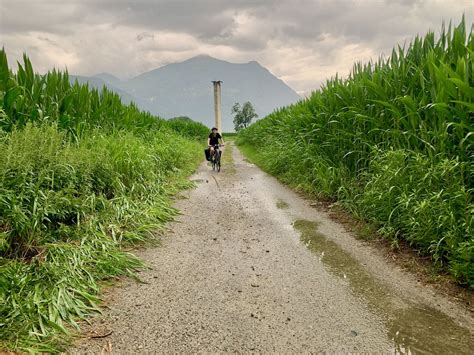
(109, 79)
(98, 83)
(185, 89)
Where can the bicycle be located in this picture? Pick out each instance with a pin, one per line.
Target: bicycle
(216, 158)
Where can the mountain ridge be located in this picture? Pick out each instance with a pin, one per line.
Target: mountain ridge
(185, 89)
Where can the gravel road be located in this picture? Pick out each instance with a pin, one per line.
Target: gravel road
(250, 266)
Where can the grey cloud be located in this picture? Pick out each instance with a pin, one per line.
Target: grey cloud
(145, 35)
(28, 16)
(298, 39)
(202, 18)
(213, 21)
(48, 40)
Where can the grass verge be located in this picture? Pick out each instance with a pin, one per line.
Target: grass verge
(401, 253)
(83, 179)
(227, 158)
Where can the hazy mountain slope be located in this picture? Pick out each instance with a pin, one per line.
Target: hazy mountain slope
(109, 79)
(185, 89)
(98, 83)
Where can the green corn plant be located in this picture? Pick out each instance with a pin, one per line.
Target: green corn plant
(82, 178)
(393, 142)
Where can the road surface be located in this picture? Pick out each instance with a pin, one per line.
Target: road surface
(250, 266)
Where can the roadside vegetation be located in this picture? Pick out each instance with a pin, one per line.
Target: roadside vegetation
(243, 115)
(83, 178)
(393, 143)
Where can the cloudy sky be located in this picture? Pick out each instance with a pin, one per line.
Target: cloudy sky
(301, 41)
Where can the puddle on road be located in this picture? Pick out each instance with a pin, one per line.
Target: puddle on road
(413, 328)
(282, 204)
(198, 181)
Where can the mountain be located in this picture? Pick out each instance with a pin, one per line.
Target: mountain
(185, 89)
(97, 82)
(109, 79)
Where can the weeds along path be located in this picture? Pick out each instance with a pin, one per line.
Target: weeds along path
(251, 266)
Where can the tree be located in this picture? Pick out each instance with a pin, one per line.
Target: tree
(243, 115)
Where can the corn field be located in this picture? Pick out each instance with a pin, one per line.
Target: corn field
(393, 142)
(82, 177)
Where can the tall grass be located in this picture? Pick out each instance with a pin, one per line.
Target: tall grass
(393, 142)
(81, 177)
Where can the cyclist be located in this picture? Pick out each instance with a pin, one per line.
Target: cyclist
(213, 140)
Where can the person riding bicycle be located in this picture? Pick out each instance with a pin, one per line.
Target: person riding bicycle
(213, 140)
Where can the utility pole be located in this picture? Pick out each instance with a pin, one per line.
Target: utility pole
(217, 104)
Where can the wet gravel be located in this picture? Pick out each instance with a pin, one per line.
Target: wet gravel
(233, 276)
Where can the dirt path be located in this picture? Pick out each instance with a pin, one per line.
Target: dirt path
(271, 273)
